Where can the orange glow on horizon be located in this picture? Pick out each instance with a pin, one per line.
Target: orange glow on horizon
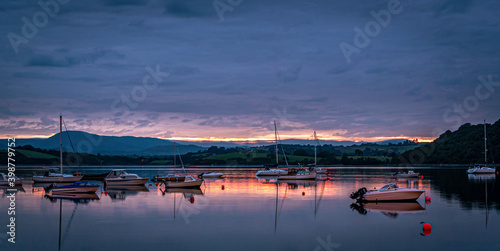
(264, 138)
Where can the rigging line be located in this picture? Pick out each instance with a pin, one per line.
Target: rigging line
(284, 154)
(182, 164)
(491, 151)
(67, 133)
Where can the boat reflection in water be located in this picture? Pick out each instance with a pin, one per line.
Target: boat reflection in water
(296, 184)
(185, 191)
(84, 198)
(389, 209)
(121, 192)
(481, 177)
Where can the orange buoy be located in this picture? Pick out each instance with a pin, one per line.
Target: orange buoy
(191, 200)
(222, 187)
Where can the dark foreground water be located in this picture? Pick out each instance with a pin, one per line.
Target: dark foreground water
(259, 214)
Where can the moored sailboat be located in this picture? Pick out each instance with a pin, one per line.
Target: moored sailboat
(49, 177)
(273, 170)
(480, 168)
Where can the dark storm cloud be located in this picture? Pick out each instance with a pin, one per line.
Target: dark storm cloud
(264, 57)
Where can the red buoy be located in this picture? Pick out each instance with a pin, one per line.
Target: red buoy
(421, 176)
(327, 178)
(426, 232)
(303, 193)
(427, 226)
(427, 198)
(222, 187)
(191, 200)
(106, 192)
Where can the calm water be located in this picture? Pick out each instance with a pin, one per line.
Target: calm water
(260, 214)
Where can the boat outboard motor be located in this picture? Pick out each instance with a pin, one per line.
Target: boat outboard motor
(358, 194)
(200, 175)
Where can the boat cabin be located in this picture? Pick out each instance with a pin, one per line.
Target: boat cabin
(389, 187)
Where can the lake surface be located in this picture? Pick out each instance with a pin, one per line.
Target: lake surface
(242, 212)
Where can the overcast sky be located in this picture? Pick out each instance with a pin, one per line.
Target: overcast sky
(231, 72)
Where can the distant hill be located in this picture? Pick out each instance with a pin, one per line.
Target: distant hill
(463, 146)
(110, 145)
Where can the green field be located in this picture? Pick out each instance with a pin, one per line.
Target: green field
(35, 155)
(381, 148)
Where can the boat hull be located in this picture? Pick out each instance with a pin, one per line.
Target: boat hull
(126, 182)
(48, 179)
(98, 177)
(401, 195)
(184, 184)
(272, 172)
(407, 175)
(482, 171)
(64, 190)
(170, 179)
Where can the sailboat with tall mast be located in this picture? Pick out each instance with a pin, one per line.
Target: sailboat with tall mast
(273, 170)
(478, 169)
(318, 169)
(172, 177)
(58, 177)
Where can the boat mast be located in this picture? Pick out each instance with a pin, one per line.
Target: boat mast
(60, 138)
(485, 148)
(315, 143)
(175, 159)
(276, 140)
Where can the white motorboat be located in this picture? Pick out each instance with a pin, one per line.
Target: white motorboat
(118, 177)
(299, 174)
(268, 171)
(483, 169)
(409, 174)
(389, 192)
(4, 180)
(49, 177)
(212, 174)
(189, 181)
